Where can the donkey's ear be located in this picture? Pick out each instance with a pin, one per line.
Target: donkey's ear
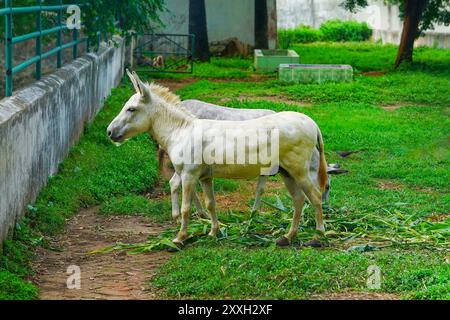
(143, 89)
(133, 81)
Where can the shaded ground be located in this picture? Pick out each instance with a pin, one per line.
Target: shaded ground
(103, 276)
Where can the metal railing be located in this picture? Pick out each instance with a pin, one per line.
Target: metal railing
(170, 53)
(10, 40)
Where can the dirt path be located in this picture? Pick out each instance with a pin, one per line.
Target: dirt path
(108, 276)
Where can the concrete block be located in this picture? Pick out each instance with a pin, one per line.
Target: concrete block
(315, 73)
(270, 60)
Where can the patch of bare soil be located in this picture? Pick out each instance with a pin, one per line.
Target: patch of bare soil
(397, 106)
(356, 296)
(374, 73)
(176, 84)
(389, 185)
(109, 276)
(391, 107)
(240, 199)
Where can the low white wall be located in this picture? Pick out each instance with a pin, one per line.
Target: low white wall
(40, 123)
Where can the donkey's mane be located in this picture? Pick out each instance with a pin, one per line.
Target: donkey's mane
(164, 93)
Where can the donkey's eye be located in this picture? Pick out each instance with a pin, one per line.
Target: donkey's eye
(131, 109)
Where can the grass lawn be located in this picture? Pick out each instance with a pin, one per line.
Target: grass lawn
(391, 210)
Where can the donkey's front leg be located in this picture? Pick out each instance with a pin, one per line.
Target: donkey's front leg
(188, 184)
(175, 183)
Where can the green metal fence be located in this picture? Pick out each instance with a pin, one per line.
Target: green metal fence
(10, 40)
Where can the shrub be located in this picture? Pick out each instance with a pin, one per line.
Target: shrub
(301, 34)
(338, 30)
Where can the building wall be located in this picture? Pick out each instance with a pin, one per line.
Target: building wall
(382, 18)
(225, 19)
(40, 123)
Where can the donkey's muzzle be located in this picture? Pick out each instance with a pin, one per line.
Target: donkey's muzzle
(114, 136)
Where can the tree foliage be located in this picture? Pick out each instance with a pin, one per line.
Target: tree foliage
(134, 16)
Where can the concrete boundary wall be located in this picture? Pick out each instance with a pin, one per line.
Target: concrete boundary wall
(383, 18)
(40, 123)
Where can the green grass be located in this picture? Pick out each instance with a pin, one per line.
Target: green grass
(156, 210)
(217, 68)
(271, 273)
(13, 287)
(366, 56)
(225, 185)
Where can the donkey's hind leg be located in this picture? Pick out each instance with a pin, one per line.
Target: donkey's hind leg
(198, 205)
(314, 195)
(210, 201)
(298, 198)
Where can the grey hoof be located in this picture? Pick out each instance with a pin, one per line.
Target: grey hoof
(179, 245)
(314, 243)
(283, 242)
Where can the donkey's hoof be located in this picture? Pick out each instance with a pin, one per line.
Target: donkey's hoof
(283, 242)
(179, 246)
(314, 243)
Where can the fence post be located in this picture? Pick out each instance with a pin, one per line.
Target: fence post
(59, 37)
(39, 40)
(75, 47)
(8, 49)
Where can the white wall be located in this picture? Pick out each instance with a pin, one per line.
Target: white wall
(40, 123)
(231, 18)
(383, 19)
(225, 18)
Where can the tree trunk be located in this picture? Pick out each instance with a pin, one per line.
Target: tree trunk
(261, 25)
(413, 10)
(198, 27)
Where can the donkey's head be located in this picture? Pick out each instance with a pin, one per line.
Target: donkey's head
(135, 117)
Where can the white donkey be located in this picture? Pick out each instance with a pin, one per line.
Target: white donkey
(152, 110)
(204, 110)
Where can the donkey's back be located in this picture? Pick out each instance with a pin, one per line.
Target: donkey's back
(204, 110)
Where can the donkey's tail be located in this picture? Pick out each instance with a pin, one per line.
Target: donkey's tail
(322, 172)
